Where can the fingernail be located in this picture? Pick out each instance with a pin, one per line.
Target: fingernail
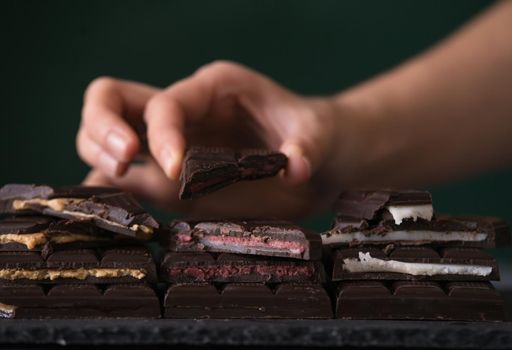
(117, 145)
(109, 165)
(167, 162)
(298, 170)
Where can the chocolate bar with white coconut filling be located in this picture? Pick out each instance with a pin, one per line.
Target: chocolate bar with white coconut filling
(414, 263)
(400, 205)
(467, 231)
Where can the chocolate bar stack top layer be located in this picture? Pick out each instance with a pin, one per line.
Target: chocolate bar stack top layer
(251, 237)
(400, 205)
(207, 169)
(108, 208)
(282, 258)
(69, 252)
(47, 234)
(381, 236)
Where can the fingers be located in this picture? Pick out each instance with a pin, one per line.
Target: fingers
(309, 138)
(97, 157)
(165, 126)
(192, 99)
(108, 103)
(298, 170)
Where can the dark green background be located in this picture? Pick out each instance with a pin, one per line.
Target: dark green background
(50, 50)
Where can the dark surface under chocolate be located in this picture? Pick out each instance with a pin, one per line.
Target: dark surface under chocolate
(251, 334)
(368, 204)
(223, 267)
(413, 300)
(108, 208)
(247, 300)
(196, 236)
(207, 169)
(79, 301)
(451, 256)
(497, 230)
(118, 258)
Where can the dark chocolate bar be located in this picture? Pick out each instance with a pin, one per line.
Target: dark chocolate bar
(108, 208)
(482, 232)
(223, 268)
(120, 265)
(256, 164)
(247, 300)
(78, 301)
(409, 263)
(208, 169)
(401, 205)
(414, 300)
(38, 233)
(254, 237)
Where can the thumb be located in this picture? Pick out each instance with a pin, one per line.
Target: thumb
(298, 170)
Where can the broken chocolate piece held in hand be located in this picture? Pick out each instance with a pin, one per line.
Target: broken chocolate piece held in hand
(107, 207)
(207, 169)
(253, 237)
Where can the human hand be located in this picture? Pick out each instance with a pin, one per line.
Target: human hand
(222, 104)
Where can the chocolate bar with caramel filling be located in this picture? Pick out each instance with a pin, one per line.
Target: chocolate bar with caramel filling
(117, 265)
(108, 208)
(42, 233)
(253, 237)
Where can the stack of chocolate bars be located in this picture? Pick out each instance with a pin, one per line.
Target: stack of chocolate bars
(392, 257)
(74, 252)
(243, 269)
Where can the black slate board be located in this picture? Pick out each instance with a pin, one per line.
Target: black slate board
(328, 333)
